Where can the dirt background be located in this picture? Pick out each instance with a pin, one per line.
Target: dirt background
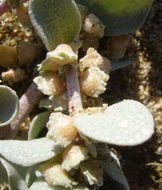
(142, 81)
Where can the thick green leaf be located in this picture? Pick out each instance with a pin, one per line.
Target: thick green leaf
(55, 21)
(30, 176)
(120, 16)
(112, 168)
(27, 153)
(126, 123)
(15, 175)
(37, 125)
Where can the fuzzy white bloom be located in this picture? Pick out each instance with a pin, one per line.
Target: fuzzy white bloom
(55, 175)
(93, 172)
(62, 55)
(93, 82)
(13, 75)
(50, 84)
(93, 25)
(73, 155)
(61, 129)
(94, 59)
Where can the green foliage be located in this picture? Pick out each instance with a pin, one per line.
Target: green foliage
(16, 175)
(119, 124)
(55, 21)
(119, 16)
(28, 153)
(37, 125)
(9, 103)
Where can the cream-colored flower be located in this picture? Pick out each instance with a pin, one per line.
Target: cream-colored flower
(62, 55)
(93, 25)
(55, 175)
(50, 84)
(73, 155)
(94, 59)
(93, 82)
(61, 129)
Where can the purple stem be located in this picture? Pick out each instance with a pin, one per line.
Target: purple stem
(26, 104)
(4, 7)
(73, 91)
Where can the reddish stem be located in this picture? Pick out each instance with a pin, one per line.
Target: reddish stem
(4, 7)
(26, 104)
(73, 91)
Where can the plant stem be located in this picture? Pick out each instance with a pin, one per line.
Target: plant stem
(26, 104)
(73, 90)
(4, 7)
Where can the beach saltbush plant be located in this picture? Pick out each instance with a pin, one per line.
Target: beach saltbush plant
(74, 152)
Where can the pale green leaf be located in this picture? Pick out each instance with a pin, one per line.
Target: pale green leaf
(27, 153)
(15, 175)
(9, 105)
(41, 184)
(126, 123)
(56, 22)
(30, 176)
(119, 16)
(37, 125)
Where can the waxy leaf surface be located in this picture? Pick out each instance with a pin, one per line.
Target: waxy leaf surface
(41, 184)
(15, 175)
(126, 123)
(27, 153)
(37, 125)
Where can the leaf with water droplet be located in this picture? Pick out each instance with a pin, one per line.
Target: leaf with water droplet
(126, 123)
(28, 153)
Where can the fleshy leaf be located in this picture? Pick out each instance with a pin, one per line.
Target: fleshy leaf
(37, 125)
(9, 105)
(112, 168)
(15, 175)
(90, 146)
(126, 123)
(119, 16)
(41, 184)
(28, 153)
(56, 22)
(31, 176)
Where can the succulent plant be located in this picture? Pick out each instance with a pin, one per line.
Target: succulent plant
(74, 152)
(9, 104)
